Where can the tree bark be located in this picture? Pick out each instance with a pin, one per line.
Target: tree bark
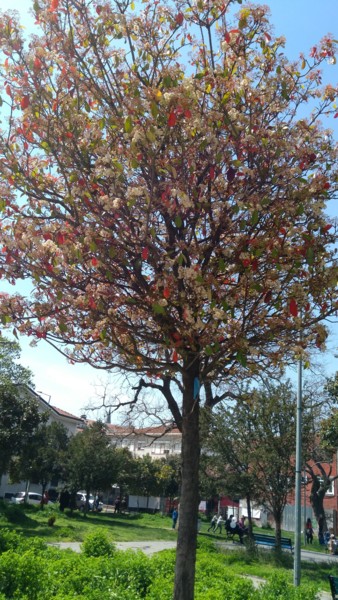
(189, 499)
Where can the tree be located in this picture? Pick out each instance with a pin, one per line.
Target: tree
(19, 421)
(43, 456)
(164, 191)
(92, 463)
(319, 460)
(11, 372)
(253, 443)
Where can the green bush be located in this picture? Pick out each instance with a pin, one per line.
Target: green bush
(10, 540)
(280, 588)
(22, 576)
(98, 544)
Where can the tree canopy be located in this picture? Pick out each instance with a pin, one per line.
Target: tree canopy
(164, 190)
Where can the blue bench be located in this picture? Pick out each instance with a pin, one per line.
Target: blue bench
(334, 587)
(262, 539)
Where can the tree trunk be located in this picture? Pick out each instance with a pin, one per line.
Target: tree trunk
(278, 532)
(317, 495)
(248, 505)
(189, 499)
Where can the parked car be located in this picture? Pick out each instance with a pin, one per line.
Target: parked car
(80, 502)
(32, 498)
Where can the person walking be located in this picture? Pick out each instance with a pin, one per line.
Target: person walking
(213, 523)
(174, 516)
(309, 531)
(219, 524)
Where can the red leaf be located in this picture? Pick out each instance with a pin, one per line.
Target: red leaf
(24, 102)
(60, 238)
(92, 303)
(8, 90)
(95, 262)
(166, 292)
(54, 5)
(175, 356)
(172, 119)
(268, 297)
(145, 253)
(179, 18)
(293, 308)
(336, 116)
(227, 37)
(187, 114)
(326, 228)
(37, 63)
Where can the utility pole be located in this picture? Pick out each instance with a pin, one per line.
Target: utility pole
(298, 490)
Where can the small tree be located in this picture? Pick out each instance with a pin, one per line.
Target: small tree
(253, 443)
(43, 457)
(92, 463)
(19, 422)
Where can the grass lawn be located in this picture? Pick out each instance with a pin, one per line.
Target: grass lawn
(32, 521)
(73, 527)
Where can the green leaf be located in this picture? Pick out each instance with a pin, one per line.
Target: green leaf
(154, 109)
(178, 221)
(255, 217)
(241, 358)
(310, 256)
(128, 125)
(158, 309)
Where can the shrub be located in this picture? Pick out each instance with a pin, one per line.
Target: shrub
(98, 544)
(22, 576)
(280, 588)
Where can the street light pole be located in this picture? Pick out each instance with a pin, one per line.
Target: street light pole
(298, 489)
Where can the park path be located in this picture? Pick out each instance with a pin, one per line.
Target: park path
(154, 546)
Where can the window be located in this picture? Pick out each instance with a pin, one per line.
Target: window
(160, 448)
(330, 491)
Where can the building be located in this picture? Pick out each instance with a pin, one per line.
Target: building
(156, 442)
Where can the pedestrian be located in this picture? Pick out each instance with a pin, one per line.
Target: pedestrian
(213, 523)
(174, 516)
(219, 523)
(332, 545)
(117, 505)
(309, 531)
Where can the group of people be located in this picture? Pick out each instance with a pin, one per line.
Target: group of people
(231, 526)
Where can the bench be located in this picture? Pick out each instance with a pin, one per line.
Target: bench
(334, 586)
(270, 540)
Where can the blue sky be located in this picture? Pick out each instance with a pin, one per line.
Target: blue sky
(303, 23)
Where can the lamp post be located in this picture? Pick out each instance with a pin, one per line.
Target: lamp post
(298, 478)
(44, 394)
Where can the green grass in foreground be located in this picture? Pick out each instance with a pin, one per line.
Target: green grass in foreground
(33, 522)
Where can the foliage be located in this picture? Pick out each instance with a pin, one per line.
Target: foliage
(11, 372)
(164, 193)
(92, 464)
(43, 456)
(97, 544)
(19, 421)
(252, 446)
